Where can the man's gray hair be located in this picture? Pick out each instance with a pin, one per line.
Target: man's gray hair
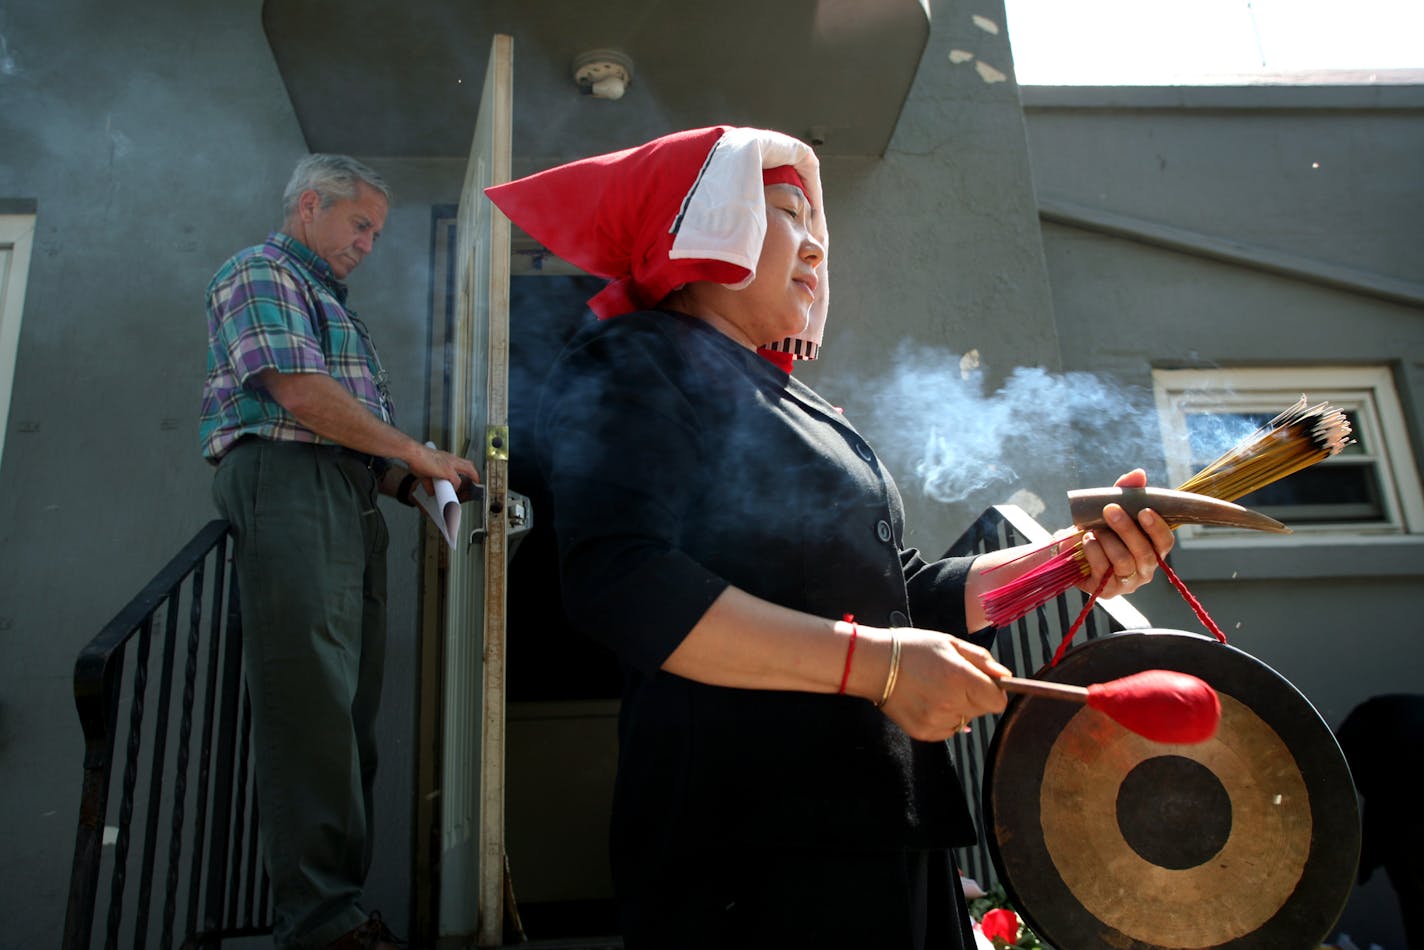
(333, 177)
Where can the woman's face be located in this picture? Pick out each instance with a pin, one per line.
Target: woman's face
(777, 303)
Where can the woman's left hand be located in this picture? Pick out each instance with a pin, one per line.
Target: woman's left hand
(1127, 551)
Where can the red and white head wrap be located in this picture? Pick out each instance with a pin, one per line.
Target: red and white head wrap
(685, 207)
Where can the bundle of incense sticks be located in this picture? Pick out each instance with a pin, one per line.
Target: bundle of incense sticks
(1295, 439)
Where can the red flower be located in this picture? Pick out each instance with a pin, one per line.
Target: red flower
(1000, 924)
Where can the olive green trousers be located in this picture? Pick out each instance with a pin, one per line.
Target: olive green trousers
(310, 549)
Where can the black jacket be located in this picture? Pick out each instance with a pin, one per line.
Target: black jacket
(679, 463)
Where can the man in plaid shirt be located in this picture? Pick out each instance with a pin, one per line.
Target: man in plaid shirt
(297, 418)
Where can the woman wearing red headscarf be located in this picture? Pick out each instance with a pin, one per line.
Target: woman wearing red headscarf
(782, 779)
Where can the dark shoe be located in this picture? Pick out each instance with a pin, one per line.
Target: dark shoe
(373, 934)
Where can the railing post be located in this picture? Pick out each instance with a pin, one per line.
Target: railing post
(205, 746)
(1021, 646)
(97, 703)
(223, 774)
(185, 737)
(151, 823)
(104, 672)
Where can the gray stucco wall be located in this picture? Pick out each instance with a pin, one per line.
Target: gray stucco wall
(1322, 172)
(1239, 165)
(935, 253)
(155, 140)
(1329, 177)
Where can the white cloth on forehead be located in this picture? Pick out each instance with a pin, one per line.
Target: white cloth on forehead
(723, 216)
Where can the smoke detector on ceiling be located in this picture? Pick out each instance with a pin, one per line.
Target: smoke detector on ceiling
(603, 73)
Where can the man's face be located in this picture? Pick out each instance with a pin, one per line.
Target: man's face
(344, 233)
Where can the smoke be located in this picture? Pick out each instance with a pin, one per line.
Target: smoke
(8, 65)
(938, 424)
(1211, 434)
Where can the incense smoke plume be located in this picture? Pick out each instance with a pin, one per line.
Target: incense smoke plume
(936, 426)
(8, 66)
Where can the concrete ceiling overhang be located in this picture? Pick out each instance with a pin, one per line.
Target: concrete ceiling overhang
(376, 78)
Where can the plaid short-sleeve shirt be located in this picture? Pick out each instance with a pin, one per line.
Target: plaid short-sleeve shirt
(278, 306)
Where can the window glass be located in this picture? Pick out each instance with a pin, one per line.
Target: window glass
(1339, 489)
(1371, 487)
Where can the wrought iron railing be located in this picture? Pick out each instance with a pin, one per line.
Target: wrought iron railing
(185, 800)
(186, 788)
(1024, 646)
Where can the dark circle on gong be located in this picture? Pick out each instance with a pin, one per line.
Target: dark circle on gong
(1174, 812)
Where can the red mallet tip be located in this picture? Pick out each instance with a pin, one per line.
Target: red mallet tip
(1161, 705)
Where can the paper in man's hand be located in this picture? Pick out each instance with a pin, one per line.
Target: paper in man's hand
(443, 508)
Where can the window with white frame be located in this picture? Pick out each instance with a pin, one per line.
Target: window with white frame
(1372, 487)
(17, 233)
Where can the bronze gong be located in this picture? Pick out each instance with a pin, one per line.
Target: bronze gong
(1105, 839)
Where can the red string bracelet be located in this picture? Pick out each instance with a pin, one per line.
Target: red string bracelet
(850, 652)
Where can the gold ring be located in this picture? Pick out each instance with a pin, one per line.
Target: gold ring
(963, 724)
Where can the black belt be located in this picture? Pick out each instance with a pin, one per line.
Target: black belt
(375, 464)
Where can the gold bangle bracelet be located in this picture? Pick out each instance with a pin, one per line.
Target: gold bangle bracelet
(894, 671)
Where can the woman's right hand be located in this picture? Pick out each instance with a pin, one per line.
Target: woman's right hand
(745, 642)
(943, 682)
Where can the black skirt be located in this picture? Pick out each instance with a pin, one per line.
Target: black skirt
(775, 901)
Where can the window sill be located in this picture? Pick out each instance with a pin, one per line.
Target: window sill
(1212, 559)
